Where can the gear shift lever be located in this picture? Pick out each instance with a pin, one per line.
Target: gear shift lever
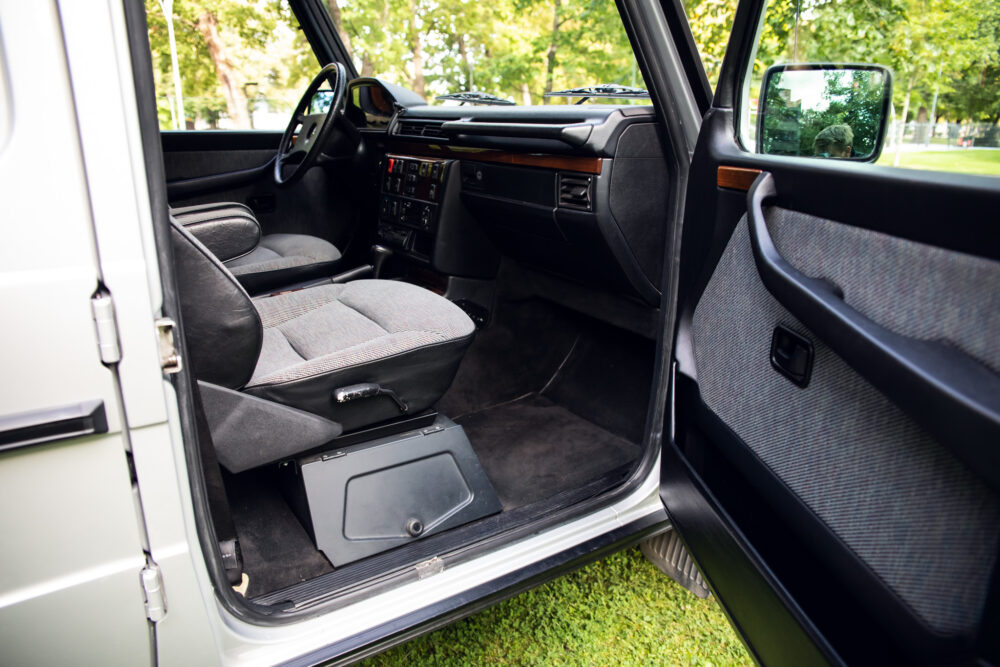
(379, 254)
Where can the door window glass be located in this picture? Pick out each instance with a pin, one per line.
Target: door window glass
(227, 64)
(943, 55)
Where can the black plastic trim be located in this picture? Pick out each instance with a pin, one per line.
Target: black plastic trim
(37, 427)
(780, 361)
(812, 67)
(680, 30)
(343, 586)
(739, 50)
(266, 282)
(459, 606)
(953, 396)
(230, 180)
(763, 612)
(519, 129)
(219, 140)
(575, 134)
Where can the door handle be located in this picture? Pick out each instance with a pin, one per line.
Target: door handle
(49, 424)
(954, 397)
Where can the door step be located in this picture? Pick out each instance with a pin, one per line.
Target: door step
(667, 552)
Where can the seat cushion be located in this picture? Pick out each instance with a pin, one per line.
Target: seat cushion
(316, 340)
(283, 259)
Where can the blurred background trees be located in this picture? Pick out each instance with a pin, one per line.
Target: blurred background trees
(244, 62)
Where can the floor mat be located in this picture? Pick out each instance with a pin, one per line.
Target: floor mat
(515, 355)
(532, 449)
(277, 550)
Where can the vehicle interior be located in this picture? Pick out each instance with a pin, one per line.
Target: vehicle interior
(415, 329)
(422, 331)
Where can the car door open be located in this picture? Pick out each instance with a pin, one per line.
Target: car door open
(832, 466)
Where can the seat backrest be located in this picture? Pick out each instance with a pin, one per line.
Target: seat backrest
(221, 327)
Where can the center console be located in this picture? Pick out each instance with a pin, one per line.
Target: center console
(427, 236)
(410, 203)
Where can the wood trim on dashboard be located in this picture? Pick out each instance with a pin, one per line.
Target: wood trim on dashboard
(736, 178)
(587, 165)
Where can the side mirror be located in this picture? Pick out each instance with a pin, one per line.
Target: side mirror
(824, 110)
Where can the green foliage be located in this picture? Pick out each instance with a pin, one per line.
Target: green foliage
(619, 611)
(945, 47)
(711, 21)
(500, 47)
(267, 52)
(944, 50)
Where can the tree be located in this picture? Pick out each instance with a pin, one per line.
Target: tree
(711, 22)
(222, 47)
(229, 78)
(931, 46)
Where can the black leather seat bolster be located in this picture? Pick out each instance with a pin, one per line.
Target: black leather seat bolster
(222, 329)
(419, 377)
(228, 230)
(244, 428)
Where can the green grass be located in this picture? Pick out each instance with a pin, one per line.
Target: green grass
(618, 611)
(958, 160)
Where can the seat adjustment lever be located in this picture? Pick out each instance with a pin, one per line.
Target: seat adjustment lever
(366, 390)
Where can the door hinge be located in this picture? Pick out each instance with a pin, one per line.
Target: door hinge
(103, 309)
(152, 587)
(170, 358)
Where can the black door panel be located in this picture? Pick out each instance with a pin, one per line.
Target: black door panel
(187, 165)
(220, 140)
(877, 538)
(223, 165)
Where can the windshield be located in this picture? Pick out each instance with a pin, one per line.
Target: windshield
(516, 50)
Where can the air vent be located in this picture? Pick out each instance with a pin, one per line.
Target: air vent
(575, 191)
(419, 128)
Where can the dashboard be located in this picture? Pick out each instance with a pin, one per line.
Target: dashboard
(578, 191)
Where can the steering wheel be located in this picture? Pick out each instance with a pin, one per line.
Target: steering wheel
(307, 133)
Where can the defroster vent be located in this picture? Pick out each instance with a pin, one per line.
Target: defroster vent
(576, 191)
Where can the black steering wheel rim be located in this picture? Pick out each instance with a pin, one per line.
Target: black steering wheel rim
(314, 130)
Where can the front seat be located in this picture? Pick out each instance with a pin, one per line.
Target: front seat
(298, 348)
(260, 262)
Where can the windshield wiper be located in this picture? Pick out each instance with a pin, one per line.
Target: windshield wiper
(601, 90)
(474, 97)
